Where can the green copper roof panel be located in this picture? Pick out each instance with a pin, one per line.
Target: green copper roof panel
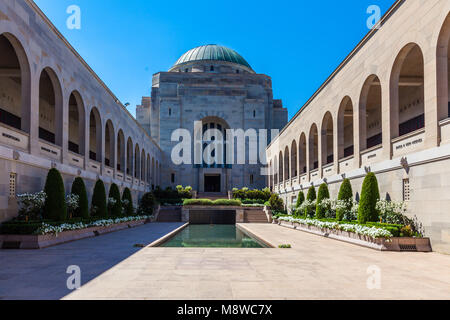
(212, 52)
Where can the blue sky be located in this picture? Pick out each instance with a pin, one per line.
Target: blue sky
(297, 43)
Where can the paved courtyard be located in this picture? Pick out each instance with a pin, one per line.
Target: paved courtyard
(315, 268)
(41, 274)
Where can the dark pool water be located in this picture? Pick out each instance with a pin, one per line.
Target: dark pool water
(212, 236)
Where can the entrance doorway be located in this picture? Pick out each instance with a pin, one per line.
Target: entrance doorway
(212, 183)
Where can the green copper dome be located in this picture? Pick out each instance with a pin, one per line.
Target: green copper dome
(212, 52)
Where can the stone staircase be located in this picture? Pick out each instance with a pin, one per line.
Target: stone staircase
(169, 214)
(255, 216)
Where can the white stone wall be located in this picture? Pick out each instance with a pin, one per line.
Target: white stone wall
(427, 152)
(40, 46)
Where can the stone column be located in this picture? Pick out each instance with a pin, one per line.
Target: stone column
(65, 129)
(389, 116)
(431, 91)
(338, 142)
(86, 144)
(321, 151)
(359, 131)
(33, 123)
(309, 158)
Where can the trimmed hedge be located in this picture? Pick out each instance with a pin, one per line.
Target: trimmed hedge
(146, 204)
(55, 207)
(255, 194)
(98, 205)
(300, 199)
(79, 188)
(127, 196)
(346, 194)
(370, 194)
(322, 194)
(169, 193)
(116, 209)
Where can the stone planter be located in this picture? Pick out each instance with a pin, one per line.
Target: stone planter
(392, 244)
(48, 240)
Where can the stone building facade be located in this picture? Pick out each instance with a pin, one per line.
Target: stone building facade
(56, 112)
(385, 109)
(215, 86)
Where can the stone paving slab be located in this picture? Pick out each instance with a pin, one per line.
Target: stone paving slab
(41, 274)
(315, 268)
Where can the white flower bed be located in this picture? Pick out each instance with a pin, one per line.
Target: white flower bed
(48, 229)
(355, 228)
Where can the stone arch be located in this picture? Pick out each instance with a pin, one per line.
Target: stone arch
(77, 124)
(137, 161)
(345, 128)
(110, 142)
(50, 107)
(211, 124)
(15, 83)
(313, 146)
(294, 157)
(286, 173)
(95, 135)
(327, 139)
(153, 173)
(280, 168)
(129, 170)
(302, 153)
(143, 168)
(148, 177)
(443, 71)
(121, 156)
(370, 113)
(276, 171)
(407, 112)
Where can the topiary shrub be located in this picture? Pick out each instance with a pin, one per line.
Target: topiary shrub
(345, 195)
(146, 204)
(300, 199)
(98, 205)
(127, 202)
(322, 194)
(311, 197)
(55, 204)
(370, 194)
(116, 207)
(79, 188)
(276, 203)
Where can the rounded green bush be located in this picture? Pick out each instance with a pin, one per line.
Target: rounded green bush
(116, 209)
(55, 207)
(345, 194)
(370, 194)
(79, 188)
(322, 194)
(276, 203)
(146, 204)
(127, 196)
(98, 205)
